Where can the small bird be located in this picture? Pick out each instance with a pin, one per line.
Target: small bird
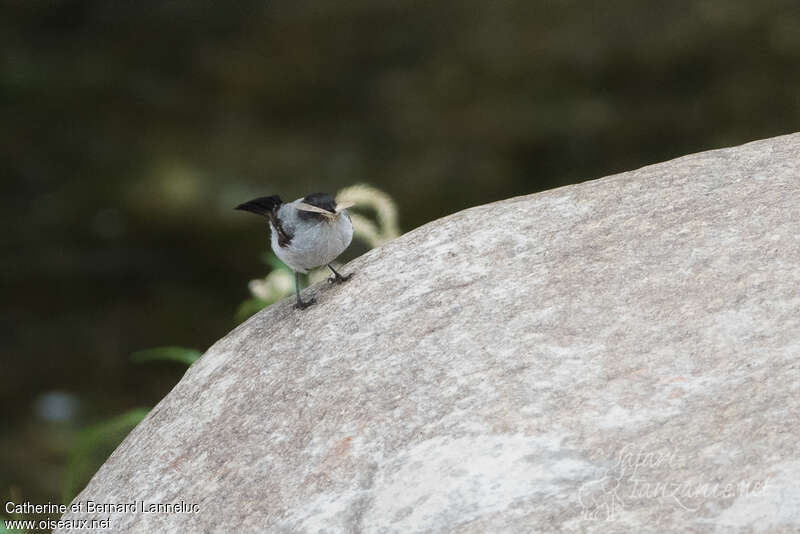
(307, 233)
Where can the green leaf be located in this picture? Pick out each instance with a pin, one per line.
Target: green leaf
(92, 446)
(175, 354)
(249, 308)
(273, 262)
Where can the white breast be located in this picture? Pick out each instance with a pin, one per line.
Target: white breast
(313, 243)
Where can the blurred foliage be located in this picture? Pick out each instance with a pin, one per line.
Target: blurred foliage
(129, 133)
(276, 285)
(92, 447)
(365, 197)
(13, 496)
(175, 354)
(3, 528)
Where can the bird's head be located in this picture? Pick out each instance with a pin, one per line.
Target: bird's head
(322, 205)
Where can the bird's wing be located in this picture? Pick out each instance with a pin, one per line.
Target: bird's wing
(284, 234)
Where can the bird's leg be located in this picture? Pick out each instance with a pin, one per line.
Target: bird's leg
(338, 278)
(300, 305)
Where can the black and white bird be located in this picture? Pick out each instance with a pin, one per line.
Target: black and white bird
(307, 233)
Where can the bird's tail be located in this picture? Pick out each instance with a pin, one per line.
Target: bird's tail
(261, 206)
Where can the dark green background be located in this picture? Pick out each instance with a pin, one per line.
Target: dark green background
(130, 129)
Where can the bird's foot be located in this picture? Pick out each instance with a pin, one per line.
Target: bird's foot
(302, 305)
(339, 279)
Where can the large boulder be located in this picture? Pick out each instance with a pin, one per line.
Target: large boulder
(615, 356)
